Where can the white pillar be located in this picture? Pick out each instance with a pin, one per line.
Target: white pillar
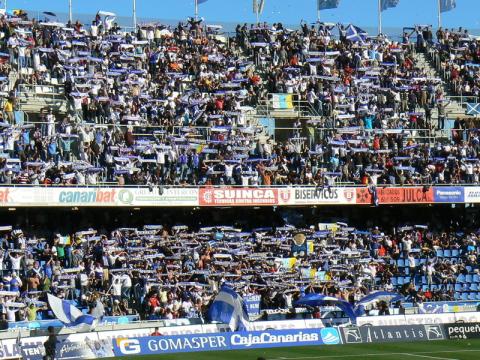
(70, 16)
(439, 14)
(134, 15)
(379, 17)
(196, 9)
(318, 10)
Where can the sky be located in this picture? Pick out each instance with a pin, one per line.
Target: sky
(359, 12)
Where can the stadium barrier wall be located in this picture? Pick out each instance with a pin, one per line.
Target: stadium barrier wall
(213, 337)
(43, 196)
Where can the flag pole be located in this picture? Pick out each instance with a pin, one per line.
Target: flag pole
(318, 11)
(70, 16)
(257, 8)
(439, 14)
(134, 15)
(379, 17)
(196, 10)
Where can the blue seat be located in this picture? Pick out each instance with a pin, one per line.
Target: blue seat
(474, 287)
(464, 296)
(407, 263)
(400, 263)
(400, 280)
(406, 280)
(476, 278)
(406, 270)
(461, 278)
(447, 253)
(477, 296)
(439, 252)
(425, 287)
(458, 287)
(472, 296)
(457, 296)
(455, 253)
(394, 281)
(469, 278)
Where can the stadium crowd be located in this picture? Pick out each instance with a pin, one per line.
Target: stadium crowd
(173, 105)
(162, 273)
(457, 57)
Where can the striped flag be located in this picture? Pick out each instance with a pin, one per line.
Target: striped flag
(328, 4)
(447, 5)
(387, 4)
(229, 308)
(69, 315)
(261, 6)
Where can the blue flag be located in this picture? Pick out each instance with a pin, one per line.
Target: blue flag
(229, 308)
(201, 1)
(387, 4)
(328, 4)
(355, 34)
(69, 315)
(447, 5)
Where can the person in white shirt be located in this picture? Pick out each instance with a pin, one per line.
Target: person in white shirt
(430, 270)
(412, 264)
(50, 124)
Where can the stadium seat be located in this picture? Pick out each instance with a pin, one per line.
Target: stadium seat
(455, 253)
(468, 278)
(447, 253)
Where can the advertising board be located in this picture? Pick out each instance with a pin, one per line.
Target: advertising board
(463, 331)
(381, 334)
(225, 341)
(396, 195)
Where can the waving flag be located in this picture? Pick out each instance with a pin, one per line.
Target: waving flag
(376, 296)
(69, 315)
(229, 308)
(387, 4)
(355, 34)
(328, 4)
(322, 300)
(201, 1)
(261, 6)
(447, 5)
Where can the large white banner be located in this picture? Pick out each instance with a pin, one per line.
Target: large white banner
(43, 196)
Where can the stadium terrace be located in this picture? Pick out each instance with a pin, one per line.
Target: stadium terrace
(179, 188)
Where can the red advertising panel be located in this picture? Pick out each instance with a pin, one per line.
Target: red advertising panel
(240, 196)
(396, 195)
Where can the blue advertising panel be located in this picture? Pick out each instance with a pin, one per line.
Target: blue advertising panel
(448, 194)
(152, 345)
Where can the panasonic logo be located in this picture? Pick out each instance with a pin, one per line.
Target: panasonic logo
(449, 193)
